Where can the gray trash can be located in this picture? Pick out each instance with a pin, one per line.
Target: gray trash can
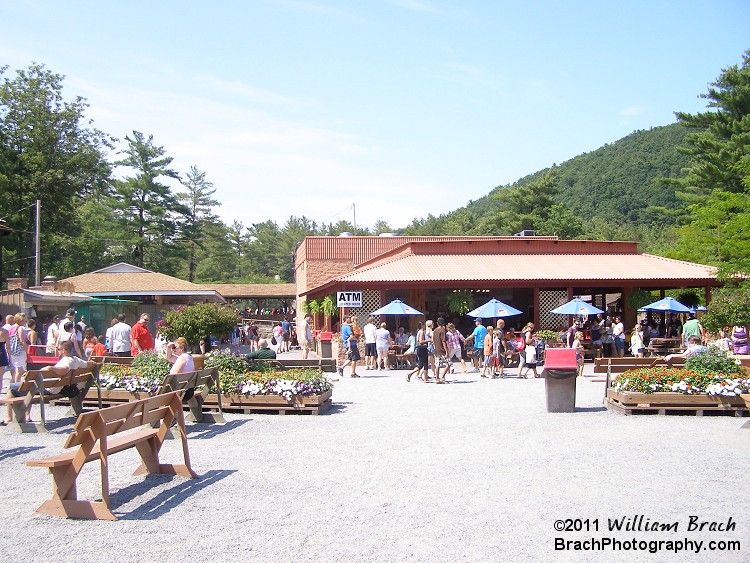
(560, 389)
(560, 371)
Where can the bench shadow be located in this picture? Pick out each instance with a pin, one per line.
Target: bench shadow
(167, 499)
(336, 408)
(590, 409)
(20, 450)
(199, 431)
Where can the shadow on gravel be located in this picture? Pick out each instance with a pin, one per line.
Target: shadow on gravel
(21, 450)
(590, 409)
(204, 431)
(336, 408)
(167, 499)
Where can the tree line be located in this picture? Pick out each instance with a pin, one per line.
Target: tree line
(50, 152)
(682, 190)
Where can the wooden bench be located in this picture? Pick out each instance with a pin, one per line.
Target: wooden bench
(620, 365)
(119, 360)
(323, 365)
(100, 433)
(188, 382)
(45, 380)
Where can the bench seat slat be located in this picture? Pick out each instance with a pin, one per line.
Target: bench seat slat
(113, 446)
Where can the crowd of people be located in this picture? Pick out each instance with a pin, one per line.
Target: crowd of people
(436, 346)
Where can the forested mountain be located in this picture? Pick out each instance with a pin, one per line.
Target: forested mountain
(618, 188)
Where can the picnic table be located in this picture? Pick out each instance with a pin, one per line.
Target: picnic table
(663, 346)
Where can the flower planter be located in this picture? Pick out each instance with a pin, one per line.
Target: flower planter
(313, 404)
(628, 402)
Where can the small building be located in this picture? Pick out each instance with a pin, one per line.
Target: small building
(532, 273)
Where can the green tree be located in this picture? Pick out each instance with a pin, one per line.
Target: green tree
(715, 184)
(199, 217)
(47, 153)
(729, 306)
(146, 207)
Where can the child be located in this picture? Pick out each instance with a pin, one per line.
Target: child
(578, 347)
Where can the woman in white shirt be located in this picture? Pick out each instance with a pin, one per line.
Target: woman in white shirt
(178, 356)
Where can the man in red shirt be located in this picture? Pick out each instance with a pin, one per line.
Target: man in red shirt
(140, 337)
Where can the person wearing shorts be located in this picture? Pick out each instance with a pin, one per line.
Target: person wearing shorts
(371, 351)
(422, 356)
(349, 338)
(455, 338)
(440, 341)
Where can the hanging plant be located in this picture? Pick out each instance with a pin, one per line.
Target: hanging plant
(460, 301)
(328, 306)
(312, 307)
(640, 298)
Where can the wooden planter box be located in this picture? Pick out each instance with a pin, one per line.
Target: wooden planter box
(628, 402)
(314, 404)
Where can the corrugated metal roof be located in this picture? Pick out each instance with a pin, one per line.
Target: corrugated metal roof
(530, 267)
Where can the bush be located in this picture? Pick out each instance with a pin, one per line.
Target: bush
(197, 322)
(729, 306)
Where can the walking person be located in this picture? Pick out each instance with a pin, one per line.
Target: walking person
(383, 342)
(307, 336)
(371, 352)
(349, 338)
(618, 333)
(422, 357)
(477, 339)
(487, 350)
(455, 339)
(440, 343)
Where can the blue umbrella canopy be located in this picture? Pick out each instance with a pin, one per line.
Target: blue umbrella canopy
(576, 307)
(494, 308)
(396, 307)
(666, 305)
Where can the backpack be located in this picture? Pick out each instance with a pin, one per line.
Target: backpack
(16, 348)
(521, 344)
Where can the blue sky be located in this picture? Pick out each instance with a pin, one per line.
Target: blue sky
(400, 107)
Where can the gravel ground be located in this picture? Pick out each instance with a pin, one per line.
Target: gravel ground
(472, 471)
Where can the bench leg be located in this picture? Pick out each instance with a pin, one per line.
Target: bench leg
(83, 509)
(150, 462)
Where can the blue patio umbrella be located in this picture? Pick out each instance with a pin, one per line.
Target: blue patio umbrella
(666, 305)
(494, 308)
(396, 307)
(576, 307)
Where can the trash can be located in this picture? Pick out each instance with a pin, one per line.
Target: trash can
(324, 349)
(560, 370)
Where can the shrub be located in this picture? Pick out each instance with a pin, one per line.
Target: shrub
(197, 322)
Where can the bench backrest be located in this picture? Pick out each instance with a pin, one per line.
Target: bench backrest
(189, 380)
(120, 360)
(112, 420)
(50, 379)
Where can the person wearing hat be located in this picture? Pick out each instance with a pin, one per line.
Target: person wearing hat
(477, 337)
(70, 316)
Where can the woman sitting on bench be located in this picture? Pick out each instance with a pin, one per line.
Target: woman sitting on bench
(178, 356)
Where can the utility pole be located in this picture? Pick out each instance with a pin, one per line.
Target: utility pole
(38, 265)
(354, 214)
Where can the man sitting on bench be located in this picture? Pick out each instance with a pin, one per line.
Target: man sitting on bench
(263, 352)
(66, 363)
